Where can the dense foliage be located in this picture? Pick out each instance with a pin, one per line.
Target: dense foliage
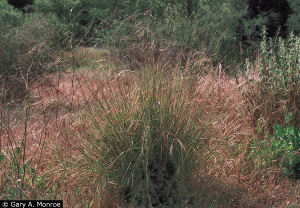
(294, 17)
(9, 17)
(27, 45)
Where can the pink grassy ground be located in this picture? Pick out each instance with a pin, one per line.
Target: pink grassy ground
(226, 175)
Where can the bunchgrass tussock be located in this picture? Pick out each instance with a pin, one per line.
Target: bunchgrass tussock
(143, 141)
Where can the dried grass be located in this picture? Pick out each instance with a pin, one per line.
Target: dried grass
(226, 176)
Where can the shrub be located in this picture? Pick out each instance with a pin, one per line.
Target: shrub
(285, 147)
(27, 51)
(280, 149)
(276, 92)
(9, 17)
(294, 18)
(78, 17)
(174, 33)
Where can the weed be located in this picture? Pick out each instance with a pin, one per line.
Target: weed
(276, 91)
(285, 147)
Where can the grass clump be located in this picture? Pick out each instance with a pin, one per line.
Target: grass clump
(143, 141)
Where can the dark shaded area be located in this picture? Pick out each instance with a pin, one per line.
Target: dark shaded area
(273, 13)
(162, 190)
(297, 171)
(189, 8)
(20, 4)
(276, 12)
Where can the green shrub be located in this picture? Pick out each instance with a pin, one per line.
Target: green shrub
(215, 29)
(294, 18)
(280, 149)
(143, 34)
(27, 51)
(78, 17)
(272, 95)
(277, 87)
(285, 147)
(9, 17)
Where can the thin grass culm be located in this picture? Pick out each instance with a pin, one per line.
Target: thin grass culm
(142, 141)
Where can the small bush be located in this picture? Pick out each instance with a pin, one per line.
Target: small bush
(173, 31)
(79, 18)
(276, 91)
(9, 17)
(280, 150)
(294, 18)
(26, 52)
(285, 147)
